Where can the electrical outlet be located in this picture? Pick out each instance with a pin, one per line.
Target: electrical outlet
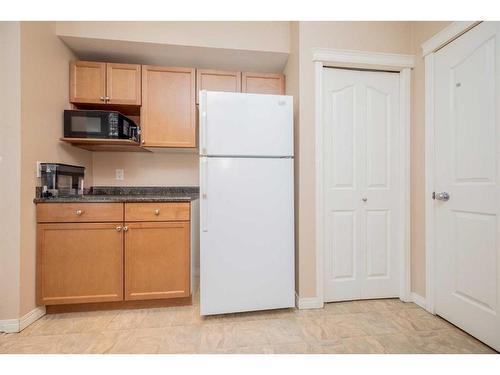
(119, 174)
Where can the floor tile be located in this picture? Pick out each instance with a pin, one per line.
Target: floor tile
(372, 326)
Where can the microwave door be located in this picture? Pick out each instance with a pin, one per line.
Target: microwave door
(86, 126)
(83, 124)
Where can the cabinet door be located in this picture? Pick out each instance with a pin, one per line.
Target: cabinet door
(157, 260)
(123, 84)
(79, 263)
(87, 82)
(263, 83)
(217, 80)
(168, 114)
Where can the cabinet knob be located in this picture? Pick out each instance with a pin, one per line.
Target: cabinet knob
(118, 228)
(125, 228)
(79, 212)
(157, 212)
(364, 199)
(102, 98)
(107, 98)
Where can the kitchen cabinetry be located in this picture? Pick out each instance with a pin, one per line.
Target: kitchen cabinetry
(168, 112)
(157, 260)
(79, 263)
(263, 83)
(161, 100)
(105, 83)
(123, 84)
(87, 82)
(217, 80)
(103, 252)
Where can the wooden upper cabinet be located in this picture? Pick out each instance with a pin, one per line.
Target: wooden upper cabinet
(87, 82)
(217, 80)
(79, 263)
(263, 83)
(123, 84)
(157, 260)
(168, 112)
(105, 83)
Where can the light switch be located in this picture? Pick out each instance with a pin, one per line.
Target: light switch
(119, 174)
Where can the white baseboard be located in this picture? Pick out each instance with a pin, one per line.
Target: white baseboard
(17, 325)
(419, 300)
(308, 303)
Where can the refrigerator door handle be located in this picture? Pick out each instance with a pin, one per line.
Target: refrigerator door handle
(204, 203)
(203, 122)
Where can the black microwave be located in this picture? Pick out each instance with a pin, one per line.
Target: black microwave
(99, 124)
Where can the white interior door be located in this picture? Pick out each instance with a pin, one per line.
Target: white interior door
(467, 166)
(361, 184)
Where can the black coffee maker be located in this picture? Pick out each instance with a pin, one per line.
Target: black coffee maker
(59, 180)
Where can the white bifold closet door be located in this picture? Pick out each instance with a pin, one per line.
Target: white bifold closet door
(361, 184)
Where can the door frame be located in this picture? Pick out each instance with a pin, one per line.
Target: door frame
(402, 64)
(429, 48)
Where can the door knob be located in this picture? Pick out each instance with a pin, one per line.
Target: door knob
(364, 199)
(441, 196)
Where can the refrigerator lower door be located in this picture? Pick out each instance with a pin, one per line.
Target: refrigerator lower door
(247, 235)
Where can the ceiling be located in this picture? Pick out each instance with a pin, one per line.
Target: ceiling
(176, 55)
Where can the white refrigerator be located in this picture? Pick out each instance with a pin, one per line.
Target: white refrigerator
(246, 202)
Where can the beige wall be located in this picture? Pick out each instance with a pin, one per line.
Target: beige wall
(291, 73)
(44, 95)
(421, 31)
(260, 36)
(146, 169)
(10, 163)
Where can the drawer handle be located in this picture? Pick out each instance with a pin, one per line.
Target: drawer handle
(79, 212)
(157, 212)
(118, 229)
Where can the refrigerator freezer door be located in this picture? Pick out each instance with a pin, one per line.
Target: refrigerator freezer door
(237, 124)
(247, 238)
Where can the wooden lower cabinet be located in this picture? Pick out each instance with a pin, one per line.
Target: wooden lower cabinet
(157, 260)
(94, 262)
(79, 263)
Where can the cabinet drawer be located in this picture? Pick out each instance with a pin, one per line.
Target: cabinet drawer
(78, 212)
(177, 211)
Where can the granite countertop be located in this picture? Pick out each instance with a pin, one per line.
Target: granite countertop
(100, 194)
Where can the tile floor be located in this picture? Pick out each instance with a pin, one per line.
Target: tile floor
(375, 326)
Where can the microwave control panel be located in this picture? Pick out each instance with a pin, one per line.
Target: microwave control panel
(113, 124)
